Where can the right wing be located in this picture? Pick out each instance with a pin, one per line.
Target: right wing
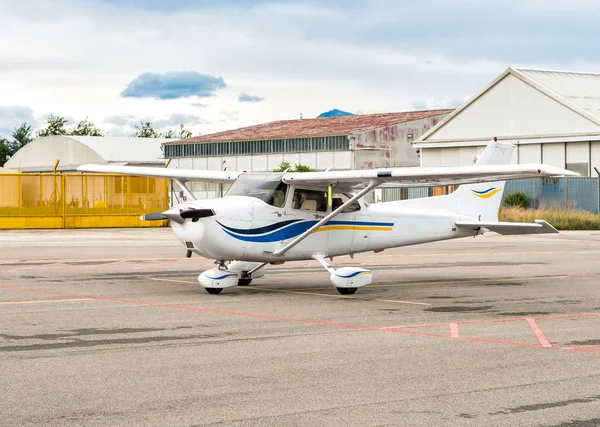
(177, 174)
(425, 176)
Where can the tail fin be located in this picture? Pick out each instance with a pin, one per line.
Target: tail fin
(482, 201)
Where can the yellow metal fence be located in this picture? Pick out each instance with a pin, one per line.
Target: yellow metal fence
(80, 201)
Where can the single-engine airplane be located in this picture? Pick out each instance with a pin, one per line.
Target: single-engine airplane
(272, 218)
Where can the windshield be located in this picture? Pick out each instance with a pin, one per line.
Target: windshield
(267, 187)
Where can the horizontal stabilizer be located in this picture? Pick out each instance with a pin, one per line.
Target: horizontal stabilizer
(539, 227)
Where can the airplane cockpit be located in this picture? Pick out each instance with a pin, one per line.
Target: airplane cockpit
(270, 188)
(267, 187)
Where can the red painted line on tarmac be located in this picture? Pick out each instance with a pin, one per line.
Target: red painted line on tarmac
(538, 332)
(454, 333)
(33, 267)
(578, 347)
(89, 267)
(286, 319)
(475, 322)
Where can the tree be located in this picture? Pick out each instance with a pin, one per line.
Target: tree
(286, 166)
(21, 136)
(55, 125)
(182, 133)
(4, 151)
(85, 128)
(145, 130)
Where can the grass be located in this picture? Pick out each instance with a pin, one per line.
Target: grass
(562, 220)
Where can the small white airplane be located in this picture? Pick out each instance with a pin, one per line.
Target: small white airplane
(271, 218)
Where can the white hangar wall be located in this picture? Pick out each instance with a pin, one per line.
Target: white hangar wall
(552, 117)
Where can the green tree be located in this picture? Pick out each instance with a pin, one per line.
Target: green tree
(182, 133)
(145, 130)
(21, 136)
(4, 151)
(55, 125)
(85, 128)
(283, 166)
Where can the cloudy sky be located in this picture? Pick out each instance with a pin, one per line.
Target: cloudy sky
(215, 65)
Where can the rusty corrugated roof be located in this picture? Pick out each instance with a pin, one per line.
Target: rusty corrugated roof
(314, 127)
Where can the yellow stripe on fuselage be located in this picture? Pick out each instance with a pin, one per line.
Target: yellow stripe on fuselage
(352, 228)
(488, 195)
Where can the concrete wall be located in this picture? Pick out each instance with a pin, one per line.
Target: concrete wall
(390, 146)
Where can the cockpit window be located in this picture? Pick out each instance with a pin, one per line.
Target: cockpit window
(267, 187)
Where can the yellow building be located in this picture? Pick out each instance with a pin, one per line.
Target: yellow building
(45, 191)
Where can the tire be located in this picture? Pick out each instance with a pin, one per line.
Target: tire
(346, 291)
(244, 282)
(213, 291)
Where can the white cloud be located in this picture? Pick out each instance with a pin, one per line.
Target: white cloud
(301, 57)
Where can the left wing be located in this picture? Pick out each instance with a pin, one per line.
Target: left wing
(177, 174)
(425, 177)
(539, 227)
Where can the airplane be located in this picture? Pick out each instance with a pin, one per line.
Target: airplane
(272, 218)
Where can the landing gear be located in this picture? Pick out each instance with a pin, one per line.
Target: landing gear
(213, 291)
(244, 282)
(346, 279)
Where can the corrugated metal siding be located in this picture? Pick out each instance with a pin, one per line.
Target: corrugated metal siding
(555, 193)
(581, 89)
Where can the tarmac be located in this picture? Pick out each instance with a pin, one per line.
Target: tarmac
(110, 327)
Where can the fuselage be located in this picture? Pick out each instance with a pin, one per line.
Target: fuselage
(250, 229)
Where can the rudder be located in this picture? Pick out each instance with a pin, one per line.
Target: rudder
(482, 201)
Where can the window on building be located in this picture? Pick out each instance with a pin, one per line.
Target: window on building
(582, 168)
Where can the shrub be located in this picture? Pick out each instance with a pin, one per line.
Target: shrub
(518, 199)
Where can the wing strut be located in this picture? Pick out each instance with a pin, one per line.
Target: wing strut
(186, 190)
(372, 184)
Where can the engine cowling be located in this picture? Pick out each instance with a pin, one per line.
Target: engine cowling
(351, 277)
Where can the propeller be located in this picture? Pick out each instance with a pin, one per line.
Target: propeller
(178, 215)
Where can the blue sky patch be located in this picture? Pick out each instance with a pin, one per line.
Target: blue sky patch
(244, 97)
(173, 85)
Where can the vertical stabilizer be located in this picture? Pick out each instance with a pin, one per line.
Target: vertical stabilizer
(482, 201)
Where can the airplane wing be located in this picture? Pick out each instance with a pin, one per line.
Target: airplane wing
(177, 174)
(424, 177)
(539, 227)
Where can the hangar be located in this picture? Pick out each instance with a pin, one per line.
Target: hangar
(340, 143)
(552, 116)
(41, 154)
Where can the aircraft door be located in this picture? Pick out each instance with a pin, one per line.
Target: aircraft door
(307, 208)
(362, 235)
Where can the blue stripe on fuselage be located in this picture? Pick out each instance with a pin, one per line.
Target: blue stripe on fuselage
(260, 230)
(288, 229)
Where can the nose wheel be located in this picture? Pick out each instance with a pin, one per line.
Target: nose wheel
(213, 291)
(346, 291)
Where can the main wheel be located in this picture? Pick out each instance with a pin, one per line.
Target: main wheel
(346, 291)
(213, 291)
(244, 282)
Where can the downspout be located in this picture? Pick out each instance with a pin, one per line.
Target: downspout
(598, 172)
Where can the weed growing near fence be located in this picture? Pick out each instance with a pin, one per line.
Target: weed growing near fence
(562, 220)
